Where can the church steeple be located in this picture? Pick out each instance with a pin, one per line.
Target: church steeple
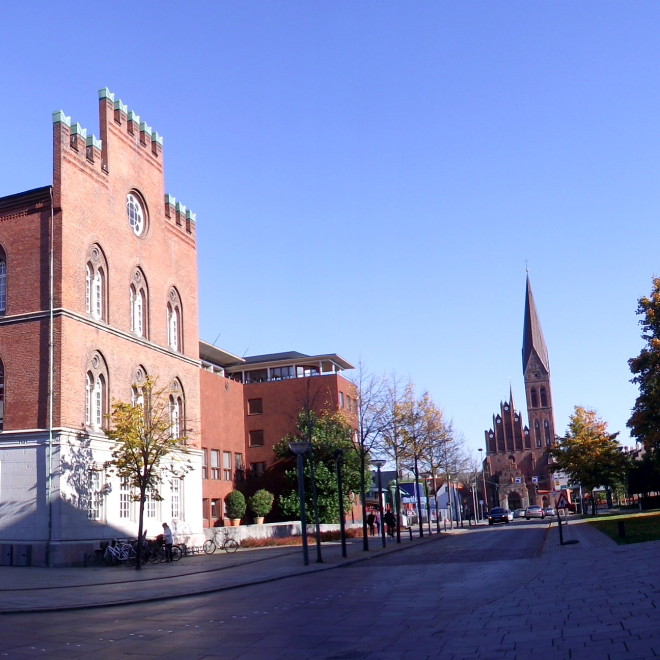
(536, 369)
(533, 341)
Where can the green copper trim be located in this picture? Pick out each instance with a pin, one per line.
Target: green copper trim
(60, 118)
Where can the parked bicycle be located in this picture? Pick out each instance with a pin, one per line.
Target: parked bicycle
(227, 543)
(158, 554)
(119, 552)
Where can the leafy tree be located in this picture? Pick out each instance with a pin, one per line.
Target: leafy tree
(421, 426)
(589, 454)
(145, 449)
(644, 422)
(327, 434)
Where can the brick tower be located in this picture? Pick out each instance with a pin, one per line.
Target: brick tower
(98, 290)
(515, 454)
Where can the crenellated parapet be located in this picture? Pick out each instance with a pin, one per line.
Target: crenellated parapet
(129, 120)
(74, 138)
(180, 215)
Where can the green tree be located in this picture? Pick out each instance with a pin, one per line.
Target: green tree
(146, 447)
(644, 423)
(420, 426)
(327, 434)
(588, 453)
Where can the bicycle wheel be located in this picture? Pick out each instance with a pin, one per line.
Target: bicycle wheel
(176, 553)
(230, 545)
(209, 547)
(110, 558)
(154, 555)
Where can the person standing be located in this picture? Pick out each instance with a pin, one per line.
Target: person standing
(168, 541)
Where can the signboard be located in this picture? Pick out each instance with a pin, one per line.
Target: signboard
(535, 480)
(518, 480)
(562, 501)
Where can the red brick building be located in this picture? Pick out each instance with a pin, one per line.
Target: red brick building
(98, 291)
(94, 272)
(250, 404)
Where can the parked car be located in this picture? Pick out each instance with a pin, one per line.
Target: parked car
(550, 511)
(519, 513)
(499, 515)
(534, 511)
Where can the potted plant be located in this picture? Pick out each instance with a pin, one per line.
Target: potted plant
(235, 506)
(260, 504)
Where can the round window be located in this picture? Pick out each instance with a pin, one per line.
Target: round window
(136, 215)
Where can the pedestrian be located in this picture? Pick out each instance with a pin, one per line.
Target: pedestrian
(371, 519)
(377, 523)
(168, 541)
(390, 522)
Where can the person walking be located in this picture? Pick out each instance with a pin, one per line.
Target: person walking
(371, 519)
(168, 541)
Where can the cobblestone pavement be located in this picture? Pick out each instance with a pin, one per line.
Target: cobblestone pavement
(587, 600)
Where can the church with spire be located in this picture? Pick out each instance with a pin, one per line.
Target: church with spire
(516, 464)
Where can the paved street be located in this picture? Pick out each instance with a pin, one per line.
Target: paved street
(506, 592)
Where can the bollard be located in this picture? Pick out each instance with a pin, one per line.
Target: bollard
(622, 529)
(410, 531)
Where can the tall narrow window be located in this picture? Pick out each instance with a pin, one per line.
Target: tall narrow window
(99, 396)
(139, 304)
(205, 463)
(226, 465)
(3, 282)
(215, 464)
(176, 497)
(537, 434)
(535, 398)
(96, 392)
(174, 417)
(174, 337)
(94, 495)
(177, 409)
(239, 467)
(544, 397)
(124, 498)
(96, 271)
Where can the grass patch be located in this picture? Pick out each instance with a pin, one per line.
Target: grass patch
(639, 528)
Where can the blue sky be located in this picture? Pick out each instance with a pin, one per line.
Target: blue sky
(373, 178)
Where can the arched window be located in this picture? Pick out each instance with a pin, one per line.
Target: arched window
(139, 301)
(546, 427)
(96, 392)
(137, 389)
(96, 269)
(177, 410)
(3, 282)
(537, 434)
(544, 398)
(174, 336)
(535, 398)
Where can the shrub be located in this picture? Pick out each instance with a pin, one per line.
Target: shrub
(235, 504)
(261, 503)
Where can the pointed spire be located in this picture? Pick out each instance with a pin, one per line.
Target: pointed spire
(533, 341)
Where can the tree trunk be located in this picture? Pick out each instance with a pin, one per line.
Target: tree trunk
(365, 533)
(138, 563)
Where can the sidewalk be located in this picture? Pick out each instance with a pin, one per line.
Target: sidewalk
(49, 589)
(33, 589)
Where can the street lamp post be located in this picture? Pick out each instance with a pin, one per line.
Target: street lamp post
(339, 457)
(483, 474)
(379, 463)
(315, 499)
(300, 449)
(426, 476)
